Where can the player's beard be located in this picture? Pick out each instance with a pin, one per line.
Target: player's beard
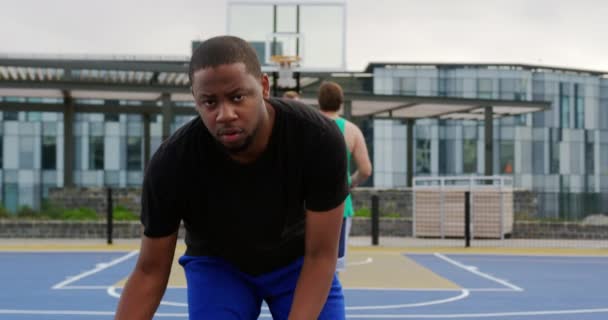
(237, 149)
(242, 147)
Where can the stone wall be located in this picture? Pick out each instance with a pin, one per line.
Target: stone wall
(559, 230)
(395, 212)
(392, 202)
(96, 198)
(389, 227)
(396, 227)
(10, 228)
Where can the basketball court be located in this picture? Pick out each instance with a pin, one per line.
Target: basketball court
(75, 281)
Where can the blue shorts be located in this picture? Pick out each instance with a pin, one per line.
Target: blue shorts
(218, 290)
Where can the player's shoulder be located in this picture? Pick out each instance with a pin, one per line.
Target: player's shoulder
(351, 127)
(176, 146)
(301, 116)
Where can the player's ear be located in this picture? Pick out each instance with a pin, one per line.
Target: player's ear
(265, 86)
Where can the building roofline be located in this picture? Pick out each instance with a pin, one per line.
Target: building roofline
(94, 57)
(370, 67)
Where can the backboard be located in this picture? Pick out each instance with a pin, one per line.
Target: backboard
(315, 31)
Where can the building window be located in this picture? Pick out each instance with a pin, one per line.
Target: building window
(134, 153)
(469, 156)
(589, 158)
(538, 157)
(34, 116)
(447, 152)
(579, 106)
(26, 152)
(49, 153)
(554, 163)
(443, 159)
(10, 197)
(112, 117)
(484, 88)
(506, 157)
(521, 90)
(10, 116)
(507, 89)
(423, 156)
(407, 86)
(455, 87)
(564, 105)
(442, 87)
(96, 151)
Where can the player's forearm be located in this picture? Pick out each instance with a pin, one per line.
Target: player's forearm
(358, 177)
(140, 297)
(313, 287)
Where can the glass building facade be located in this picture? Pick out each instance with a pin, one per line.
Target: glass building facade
(564, 149)
(108, 152)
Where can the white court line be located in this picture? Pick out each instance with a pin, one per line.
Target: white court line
(25, 250)
(359, 263)
(464, 293)
(84, 288)
(348, 316)
(430, 289)
(475, 271)
(111, 290)
(530, 255)
(542, 259)
(98, 268)
(469, 315)
(80, 313)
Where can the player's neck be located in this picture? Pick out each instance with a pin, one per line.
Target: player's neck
(330, 114)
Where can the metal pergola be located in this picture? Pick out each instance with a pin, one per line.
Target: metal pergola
(162, 87)
(411, 108)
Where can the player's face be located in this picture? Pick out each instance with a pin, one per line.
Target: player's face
(231, 104)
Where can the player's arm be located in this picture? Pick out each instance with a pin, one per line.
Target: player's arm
(360, 155)
(325, 191)
(314, 283)
(160, 208)
(148, 281)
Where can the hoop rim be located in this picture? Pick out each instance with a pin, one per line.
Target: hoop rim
(285, 59)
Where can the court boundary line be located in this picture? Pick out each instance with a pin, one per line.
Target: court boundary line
(475, 271)
(368, 316)
(99, 267)
(464, 293)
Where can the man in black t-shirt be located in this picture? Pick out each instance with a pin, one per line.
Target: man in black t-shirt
(259, 184)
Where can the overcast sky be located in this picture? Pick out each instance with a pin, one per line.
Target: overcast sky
(566, 33)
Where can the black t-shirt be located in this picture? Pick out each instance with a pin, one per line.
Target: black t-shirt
(252, 215)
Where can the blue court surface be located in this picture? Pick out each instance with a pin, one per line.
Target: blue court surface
(65, 285)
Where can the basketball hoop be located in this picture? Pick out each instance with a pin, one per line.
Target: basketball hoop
(286, 65)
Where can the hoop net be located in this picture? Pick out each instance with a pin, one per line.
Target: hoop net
(286, 65)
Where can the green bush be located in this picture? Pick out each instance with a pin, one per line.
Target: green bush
(367, 213)
(27, 212)
(363, 212)
(79, 214)
(4, 213)
(391, 215)
(51, 211)
(123, 214)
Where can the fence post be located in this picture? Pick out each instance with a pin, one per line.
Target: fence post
(467, 219)
(375, 220)
(109, 216)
